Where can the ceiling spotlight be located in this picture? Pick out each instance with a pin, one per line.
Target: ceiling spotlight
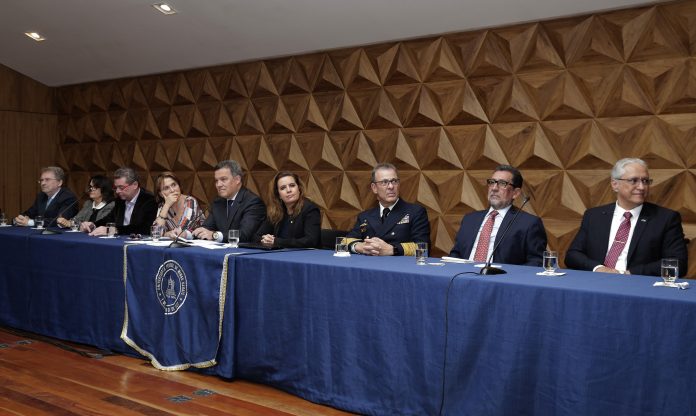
(35, 36)
(164, 8)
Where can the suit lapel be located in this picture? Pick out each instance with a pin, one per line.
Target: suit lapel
(235, 207)
(506, 220)
(605, 227)
(641, 225)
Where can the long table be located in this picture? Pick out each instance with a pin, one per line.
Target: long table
(369, 335)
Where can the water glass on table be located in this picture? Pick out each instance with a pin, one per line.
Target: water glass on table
(550, 262)
(670, 270)
(421, 253)
(3, 219)
(233, 238)
(111, 229)
(74, 225)
(341, 247)
(155, 232)
(39, 222)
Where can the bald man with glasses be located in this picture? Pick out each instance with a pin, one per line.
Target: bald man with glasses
(393, 227)
(629, 236)
(480, 231)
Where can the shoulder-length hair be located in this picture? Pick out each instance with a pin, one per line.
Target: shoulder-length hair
(158, 184)
(276, 206)
(106, 186)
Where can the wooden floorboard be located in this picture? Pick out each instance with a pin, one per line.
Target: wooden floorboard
(37, 377)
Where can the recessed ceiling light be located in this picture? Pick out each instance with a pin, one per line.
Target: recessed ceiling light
(35, 36)
(164, 8)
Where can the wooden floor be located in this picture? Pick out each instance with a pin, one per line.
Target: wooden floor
(38, 377)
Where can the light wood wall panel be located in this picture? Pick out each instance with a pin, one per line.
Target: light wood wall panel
(28, 138)
(562, 100)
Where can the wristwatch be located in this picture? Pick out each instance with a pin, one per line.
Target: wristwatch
(217, 235)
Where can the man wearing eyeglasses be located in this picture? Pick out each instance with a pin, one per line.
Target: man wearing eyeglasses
(630, 236)
(52, 201)
(479, 231)
(393, 227)
(135, 208)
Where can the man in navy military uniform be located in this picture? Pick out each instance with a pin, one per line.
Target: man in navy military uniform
(393, 227)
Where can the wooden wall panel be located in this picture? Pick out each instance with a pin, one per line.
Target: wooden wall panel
(28, 138)
(562, 100)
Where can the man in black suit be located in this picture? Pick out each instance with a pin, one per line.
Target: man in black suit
(236, 207)
(525, 241)
(53, 200)
(630, 236)
(393, 227)
(135, 208)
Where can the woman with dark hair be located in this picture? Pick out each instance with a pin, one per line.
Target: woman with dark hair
(99, 205)
(176, 211)
(293, 220)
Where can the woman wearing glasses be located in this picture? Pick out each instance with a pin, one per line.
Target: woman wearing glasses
(99, 205)
(176, 211)
(293, 220)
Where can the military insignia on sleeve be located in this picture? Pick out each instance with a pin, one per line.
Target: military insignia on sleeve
(405, 220)
(171, 286)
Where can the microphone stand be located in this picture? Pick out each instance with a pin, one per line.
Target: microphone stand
(46, 231)
(488, 269)
(180, 244)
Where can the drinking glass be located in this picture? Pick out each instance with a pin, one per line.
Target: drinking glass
(3, 219)
(233, 238)
(155, 232)
(74, 225)
(111, 229)
(670, 270)
(550, 262)
(38, 221)
(341, 247)
(421, 253)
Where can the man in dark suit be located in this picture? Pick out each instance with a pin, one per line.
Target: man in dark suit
(135, 208)
(393, 227)
(53, 200)
(630, 236)
(525, 241)
(236, 207)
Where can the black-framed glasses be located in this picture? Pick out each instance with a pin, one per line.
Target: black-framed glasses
(122, 187)
(635, 181)
(90, 188)
(501, 183)
(387, 182)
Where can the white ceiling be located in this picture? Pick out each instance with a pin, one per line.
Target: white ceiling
(90, 40)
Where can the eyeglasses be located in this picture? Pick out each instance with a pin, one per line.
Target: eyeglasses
(387, 182)
(635, 181)
(91, 188)
(122, 187)
(42, 180)
(501, 183)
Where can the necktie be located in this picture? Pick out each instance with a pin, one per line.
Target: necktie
(619, 241)
(385, 212)
(485, 238)
(229, 206)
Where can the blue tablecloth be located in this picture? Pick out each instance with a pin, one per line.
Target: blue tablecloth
(369, 334)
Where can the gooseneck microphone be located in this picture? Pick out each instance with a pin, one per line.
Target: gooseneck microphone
(488, 269)
(46, 231)
(179, 244)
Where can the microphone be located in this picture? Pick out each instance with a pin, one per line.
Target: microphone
(180, 244)
(52, 220)
(488, 269)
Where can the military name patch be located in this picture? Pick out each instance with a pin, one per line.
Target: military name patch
(171, 286)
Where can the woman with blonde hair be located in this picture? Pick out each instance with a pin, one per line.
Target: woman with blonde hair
(176, 211)
(292, 220)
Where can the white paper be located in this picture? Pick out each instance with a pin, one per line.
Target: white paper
(448, 259)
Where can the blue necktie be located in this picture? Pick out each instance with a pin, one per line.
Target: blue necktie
(229, 206)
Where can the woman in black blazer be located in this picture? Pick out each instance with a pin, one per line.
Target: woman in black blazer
(292, 219)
